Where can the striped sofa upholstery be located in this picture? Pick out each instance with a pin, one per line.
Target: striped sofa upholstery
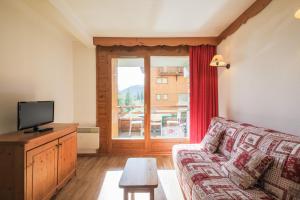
(201, 177)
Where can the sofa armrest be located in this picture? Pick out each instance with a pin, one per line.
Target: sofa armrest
(179, 147)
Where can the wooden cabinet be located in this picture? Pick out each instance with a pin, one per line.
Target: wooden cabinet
(41, 171)
(67, 157)
(35, 166)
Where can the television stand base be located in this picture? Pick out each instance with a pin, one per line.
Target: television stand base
(45, 129)
(36, 129)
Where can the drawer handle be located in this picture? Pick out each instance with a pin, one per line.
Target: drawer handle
(58, 145)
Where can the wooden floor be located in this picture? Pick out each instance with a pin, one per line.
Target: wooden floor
(91, 173)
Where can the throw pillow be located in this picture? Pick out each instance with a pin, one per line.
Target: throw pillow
(213, 136)
(246, 166)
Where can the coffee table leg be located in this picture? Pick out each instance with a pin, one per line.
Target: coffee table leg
(125, 194)
(152, 194)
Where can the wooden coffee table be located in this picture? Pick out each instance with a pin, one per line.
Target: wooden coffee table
(139, 175)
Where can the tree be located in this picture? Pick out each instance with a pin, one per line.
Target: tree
(128, 100)
(120, 101)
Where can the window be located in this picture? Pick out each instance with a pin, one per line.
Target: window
(158, 97)
(161, 97)
(162, 80)
(183, 99)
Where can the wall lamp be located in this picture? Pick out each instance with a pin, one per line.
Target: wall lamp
(297, 14)
(218, 61)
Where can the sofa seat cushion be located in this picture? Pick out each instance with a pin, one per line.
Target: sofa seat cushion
(186, 154)
(206, 180)
(194, 173)
(223, 188)
(246, 166)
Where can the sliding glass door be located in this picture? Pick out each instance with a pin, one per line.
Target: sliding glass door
(169, 96)
(158, 84)
(128, 87)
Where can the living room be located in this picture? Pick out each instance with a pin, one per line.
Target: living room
(136, 99)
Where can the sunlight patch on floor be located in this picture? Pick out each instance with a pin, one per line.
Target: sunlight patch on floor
(168, 187)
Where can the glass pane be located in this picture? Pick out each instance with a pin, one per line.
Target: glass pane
(170, 96)
(128, 98)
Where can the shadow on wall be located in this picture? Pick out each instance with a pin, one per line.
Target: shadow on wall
(8, 110)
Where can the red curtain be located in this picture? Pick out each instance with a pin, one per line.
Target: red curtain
(203, 91)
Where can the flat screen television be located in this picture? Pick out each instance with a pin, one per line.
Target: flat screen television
(33, 114)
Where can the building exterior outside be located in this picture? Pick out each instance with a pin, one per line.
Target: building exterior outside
(169, 87)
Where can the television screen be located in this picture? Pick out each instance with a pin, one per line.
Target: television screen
(33, 114)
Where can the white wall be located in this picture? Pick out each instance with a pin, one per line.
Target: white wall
(36, 63)
(84, 84)
(263, 84)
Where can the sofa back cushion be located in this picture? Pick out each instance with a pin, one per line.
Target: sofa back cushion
(251, 136)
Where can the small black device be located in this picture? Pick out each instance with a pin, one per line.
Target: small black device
(33, 114)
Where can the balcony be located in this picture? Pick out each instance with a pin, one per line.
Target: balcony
(166, 122)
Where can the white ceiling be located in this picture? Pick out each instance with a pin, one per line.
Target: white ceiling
(157, 18)
(143, 18)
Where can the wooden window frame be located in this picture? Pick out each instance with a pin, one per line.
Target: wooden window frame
(146, 146)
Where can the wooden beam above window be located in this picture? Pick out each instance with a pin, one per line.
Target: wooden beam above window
(170, 41)
(252, 11)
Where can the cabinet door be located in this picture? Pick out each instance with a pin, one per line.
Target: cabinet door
(67, 158)
(41, 173)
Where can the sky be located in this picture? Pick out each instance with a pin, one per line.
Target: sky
(129, 76)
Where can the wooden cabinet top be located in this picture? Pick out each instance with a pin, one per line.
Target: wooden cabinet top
(59, 130)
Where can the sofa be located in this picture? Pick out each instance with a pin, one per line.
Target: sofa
(202, 169)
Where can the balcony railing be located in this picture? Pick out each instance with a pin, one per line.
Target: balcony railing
(165, 121)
